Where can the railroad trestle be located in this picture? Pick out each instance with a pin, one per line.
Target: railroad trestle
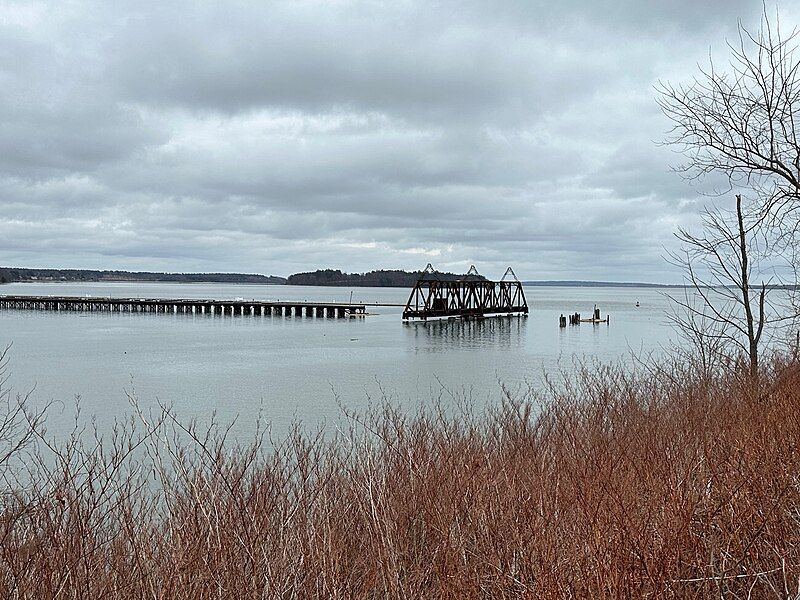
(183, 306)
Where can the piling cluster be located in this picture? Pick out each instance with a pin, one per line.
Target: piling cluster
(575, 318)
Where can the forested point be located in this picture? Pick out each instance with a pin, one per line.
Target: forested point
(390, 278)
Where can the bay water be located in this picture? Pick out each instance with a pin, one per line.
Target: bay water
(290, 369)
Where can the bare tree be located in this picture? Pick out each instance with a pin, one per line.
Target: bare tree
(744, 122)
(730, 275)
(703, 344)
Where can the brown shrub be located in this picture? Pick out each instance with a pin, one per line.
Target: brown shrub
(613, 484)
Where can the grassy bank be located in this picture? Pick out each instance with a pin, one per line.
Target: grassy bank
(656, 484)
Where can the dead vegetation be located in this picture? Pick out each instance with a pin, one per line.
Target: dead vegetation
(614, 484)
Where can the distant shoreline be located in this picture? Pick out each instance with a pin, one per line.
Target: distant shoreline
(566, 284)
(619, 284)
(321, 278)
(21, 275)
(179, 282)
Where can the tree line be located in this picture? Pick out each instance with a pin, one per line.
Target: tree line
(322, 277)
(10, 274)
(380, 278)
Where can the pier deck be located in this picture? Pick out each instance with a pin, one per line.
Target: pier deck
(237, 307)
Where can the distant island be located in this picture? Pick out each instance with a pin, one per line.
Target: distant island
(391, 278)
(10, 275)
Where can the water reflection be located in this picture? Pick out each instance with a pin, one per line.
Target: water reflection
(447, 334)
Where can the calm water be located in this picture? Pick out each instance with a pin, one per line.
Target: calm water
(295, 368)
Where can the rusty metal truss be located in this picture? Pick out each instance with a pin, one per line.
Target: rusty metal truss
(468, 297)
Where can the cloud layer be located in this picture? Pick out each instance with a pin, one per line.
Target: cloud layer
(275, 137)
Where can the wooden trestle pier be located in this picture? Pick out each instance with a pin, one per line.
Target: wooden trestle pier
(183, 306)
(469, 297)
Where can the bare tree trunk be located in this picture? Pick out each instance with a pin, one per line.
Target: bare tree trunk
(754, 327)
(745, 287)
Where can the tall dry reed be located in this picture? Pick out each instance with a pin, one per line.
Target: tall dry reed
(611, 484)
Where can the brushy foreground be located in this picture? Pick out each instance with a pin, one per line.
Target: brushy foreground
(613, 484)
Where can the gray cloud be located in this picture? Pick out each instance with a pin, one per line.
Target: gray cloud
(278, 136)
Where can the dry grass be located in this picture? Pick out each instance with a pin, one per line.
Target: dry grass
(624, 485)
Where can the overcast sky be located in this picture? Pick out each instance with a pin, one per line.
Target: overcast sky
(275, 137)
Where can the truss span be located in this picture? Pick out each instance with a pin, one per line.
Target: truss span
(469, 297)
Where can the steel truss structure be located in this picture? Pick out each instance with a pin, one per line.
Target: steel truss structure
(469, 297)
